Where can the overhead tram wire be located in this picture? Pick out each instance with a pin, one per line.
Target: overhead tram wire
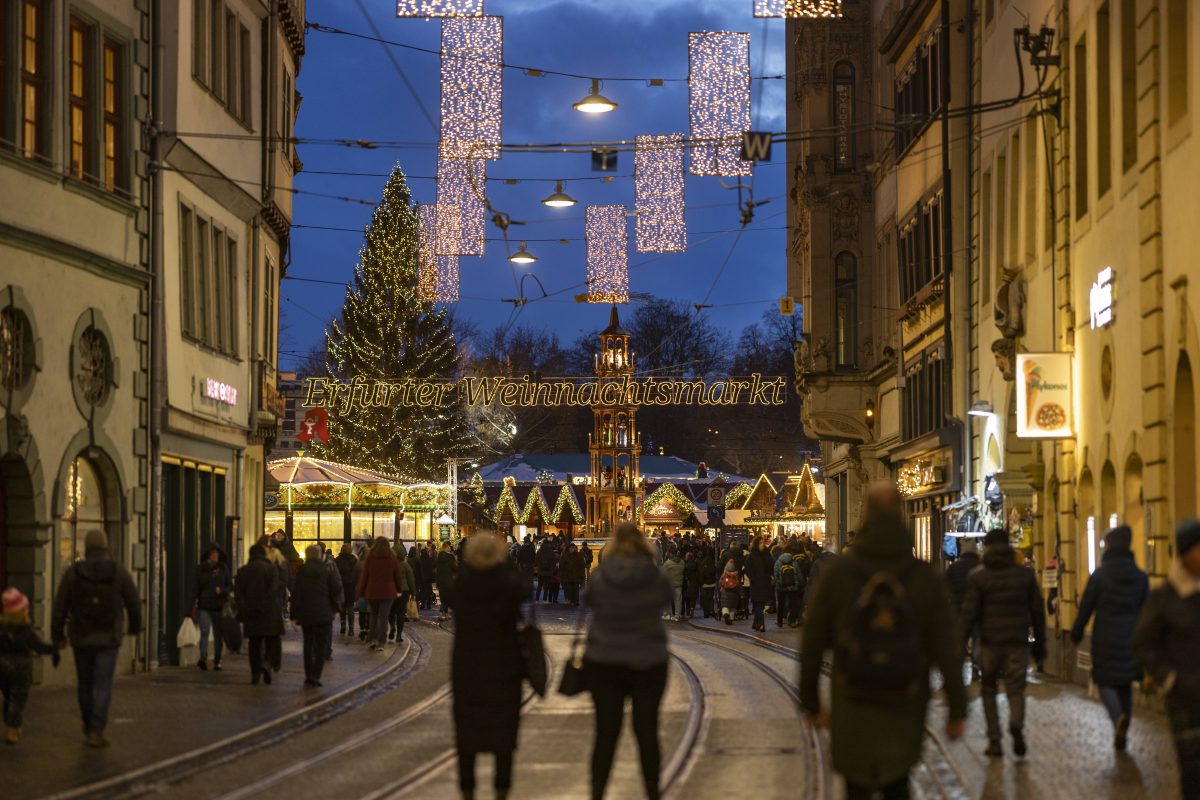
(399, 70)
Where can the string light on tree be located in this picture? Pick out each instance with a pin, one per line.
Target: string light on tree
(798, 9)
(439, 8)
(471, 76)
(607, 254)
(462, 219)
(718, 101)
(427, 257)
(658, 187)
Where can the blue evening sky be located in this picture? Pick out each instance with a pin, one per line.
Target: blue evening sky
(351, 90)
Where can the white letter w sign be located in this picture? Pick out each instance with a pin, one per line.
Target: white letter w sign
(756, 146)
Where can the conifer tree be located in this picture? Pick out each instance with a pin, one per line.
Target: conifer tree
(385, 331)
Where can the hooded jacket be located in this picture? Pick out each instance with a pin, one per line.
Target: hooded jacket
(259, 606)
(957, 574)
(213, 581)
(761, 572)
(1114, 594)
(112, 583)
(673, 569)
(627, 594)
(788, 560)
(316, 592)
(1004, 600)
(1167, 638)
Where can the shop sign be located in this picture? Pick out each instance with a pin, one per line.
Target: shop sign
(1100, 299)
(444, 533)
(270, 500)
(1044, 399)
(221, 392)
(919, 475)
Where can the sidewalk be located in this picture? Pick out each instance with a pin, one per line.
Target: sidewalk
(159, 715)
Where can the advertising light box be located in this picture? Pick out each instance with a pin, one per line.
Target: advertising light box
(1045, 407)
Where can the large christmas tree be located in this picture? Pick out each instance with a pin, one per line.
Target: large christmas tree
(385, 331)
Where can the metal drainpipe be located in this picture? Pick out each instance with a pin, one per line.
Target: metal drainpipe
(158, 364)
(969, 26)
(947, 245)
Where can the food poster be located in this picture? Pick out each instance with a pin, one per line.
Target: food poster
(1044, 400)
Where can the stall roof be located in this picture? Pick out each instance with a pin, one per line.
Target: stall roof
(526, 467)
(300, 470)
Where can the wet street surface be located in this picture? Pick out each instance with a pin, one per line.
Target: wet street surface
(381, 728)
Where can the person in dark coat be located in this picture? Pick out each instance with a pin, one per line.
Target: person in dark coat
(626, 653)
(691, 583)
(1115, 593)
(424, 566)
(316, 595)
(346, 564)
(447, 568)
(572, 573)
(876, 744)
(400, 607)
(486, 596)
(707, 576)
(381, 581)
(19, 643)
(1167, 643)
(212, 587)
(760, 570)
(1005, 601)
(257, 588)
(956, 578)
(546, 564)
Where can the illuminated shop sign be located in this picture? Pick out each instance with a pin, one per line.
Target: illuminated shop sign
(1044, 400)
(923, 473)
(221, 392)
(363, 393)
(1100, 299)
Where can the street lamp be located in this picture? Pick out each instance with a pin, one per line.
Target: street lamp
(595, 103)
(558, 198)
(981, 408)
(522, 256)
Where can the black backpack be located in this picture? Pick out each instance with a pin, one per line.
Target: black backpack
(95, 602)
(880, 648)
(787, 575)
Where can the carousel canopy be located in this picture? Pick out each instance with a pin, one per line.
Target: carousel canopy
(301, 470)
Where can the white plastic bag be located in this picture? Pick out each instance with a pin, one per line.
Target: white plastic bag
(188, 636)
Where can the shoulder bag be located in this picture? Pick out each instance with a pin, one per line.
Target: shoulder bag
(574, 677)
(533, 654)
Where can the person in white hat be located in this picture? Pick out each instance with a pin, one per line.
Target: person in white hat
(18, 644)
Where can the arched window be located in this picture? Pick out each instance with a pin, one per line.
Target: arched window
(843, 116)
(846, 308)
(83, 510)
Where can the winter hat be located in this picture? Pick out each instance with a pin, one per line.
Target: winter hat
(95, 539)
(996, 536)
(1187, 535)
(14, 602)
(1119, 538)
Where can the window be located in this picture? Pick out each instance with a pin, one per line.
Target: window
(924, 395)
(200, 40)
(208, 277)
(216, 49)
(221, 55)
(985, 239)
(1103, 101)
(843, 117)
(919, 94)
(77, 101)
(1129, 125)
(1001, 209)
(116, 177)
(920, 248)
(1014, 200)
(285, 119)
(33, 134)
(1080, 156)
(846, 288)
(244, 72)
(1177, 59)
(1032, 190)
(269, 311)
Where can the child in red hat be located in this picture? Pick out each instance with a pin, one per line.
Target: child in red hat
(18, 642)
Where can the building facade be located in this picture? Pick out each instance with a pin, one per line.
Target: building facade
(74, 294)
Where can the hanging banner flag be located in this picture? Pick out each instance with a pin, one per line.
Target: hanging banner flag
(756, 146)
(1044, 399)
(604, 159)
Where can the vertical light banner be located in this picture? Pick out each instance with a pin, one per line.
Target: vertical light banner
(437, 275)
(607, 254)
(658, 188)
(460, 196)
(1045, 403)
(472, 73)
(439, 8)
(798, 9)
(446, 288)
(718, 101)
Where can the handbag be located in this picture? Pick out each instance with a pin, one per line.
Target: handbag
(411, 612)
(574, 677)
(533, 654)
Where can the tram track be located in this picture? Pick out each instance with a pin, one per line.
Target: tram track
(159, 776)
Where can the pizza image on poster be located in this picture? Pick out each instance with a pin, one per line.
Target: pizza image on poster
(1044, 395)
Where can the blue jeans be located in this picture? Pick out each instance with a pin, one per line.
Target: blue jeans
(209, 620)
(1118, 701)
(94, 669)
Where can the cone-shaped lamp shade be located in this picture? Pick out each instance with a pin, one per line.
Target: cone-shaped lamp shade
(559, 198)
(522, 256)
(595, 103)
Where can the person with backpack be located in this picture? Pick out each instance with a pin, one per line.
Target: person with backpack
(346, 563)
(886, 617)
(730, 591)
(257, 588)
(212, 589)
(760, 573)
(19, 643)
(1005, 601)
(93, 600)
(1166, 642)
(316, 594)
(789, 583)
(1114, 594)
(672, 567)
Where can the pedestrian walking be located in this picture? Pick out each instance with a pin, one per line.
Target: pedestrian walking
(546, 564)
(486, 596)
(708, 582)
(672, 567)
(346, 563)
(212, 587)
(956, 578)
(588, 556)
(789, 583)
(316, 595)
(880, 678)
(380, 583)
(447, 568)
(626, 652)
(1005, 601)
(400, 607)
(19, 643)
(257, 588)
(691, 583)
(730, 591)
(277, 555)
(1114, 594)
(760, 572)
(94, 597)
(573, 571)
(425, 564)
(1167, 643)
